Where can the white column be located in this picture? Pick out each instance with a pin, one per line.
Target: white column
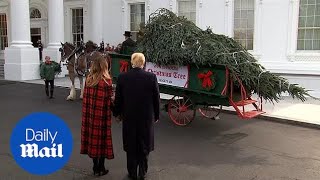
(96, 20)
(20, 24)
(56, 23)
(56, 32)
(21, 59)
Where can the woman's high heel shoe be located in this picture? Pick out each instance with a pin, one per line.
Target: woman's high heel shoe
(95, 168)
(96, 171)
(103, 172)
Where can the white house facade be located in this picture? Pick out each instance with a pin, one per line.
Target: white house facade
(284, 35)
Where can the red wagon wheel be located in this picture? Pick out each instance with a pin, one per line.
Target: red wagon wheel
(211, 112)
(181, 110)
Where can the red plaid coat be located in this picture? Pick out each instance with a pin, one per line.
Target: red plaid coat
(96, 138)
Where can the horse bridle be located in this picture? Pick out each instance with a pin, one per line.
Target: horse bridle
(74, 51)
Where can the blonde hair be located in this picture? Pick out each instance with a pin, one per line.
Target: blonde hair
(138, 60)
(98, 69)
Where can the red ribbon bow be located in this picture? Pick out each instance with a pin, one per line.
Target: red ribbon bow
(124, 66)
(206, 79)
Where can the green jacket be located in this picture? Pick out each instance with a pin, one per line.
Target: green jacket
(48, 71)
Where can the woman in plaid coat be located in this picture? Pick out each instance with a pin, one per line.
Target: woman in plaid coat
(96, 139)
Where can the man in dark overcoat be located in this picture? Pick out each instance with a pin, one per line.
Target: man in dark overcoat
(128, 46)
(137, 102)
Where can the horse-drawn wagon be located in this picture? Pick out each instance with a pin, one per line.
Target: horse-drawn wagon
(193, 88)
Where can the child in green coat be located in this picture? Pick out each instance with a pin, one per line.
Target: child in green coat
(48, 70)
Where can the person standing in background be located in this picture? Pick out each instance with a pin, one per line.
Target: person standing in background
(128, 46)
(48, 70)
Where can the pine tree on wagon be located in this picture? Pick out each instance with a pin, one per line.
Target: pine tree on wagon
(171, 40)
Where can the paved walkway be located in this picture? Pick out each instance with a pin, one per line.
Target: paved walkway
(288, 108)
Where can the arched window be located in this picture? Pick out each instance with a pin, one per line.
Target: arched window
(35, 13)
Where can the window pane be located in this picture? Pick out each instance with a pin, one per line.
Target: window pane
(311, 10)
(300, 45)
(308, 44)
(301, 34)
(244, 22)
(317, 21)
(244, 4)
(303, 10)
(236, 24)
(309, 34)
(302, 22)
(244, 14)
(250, 19)
(316, 45)
(317, 10)
(187, 9)
(133, 9)
(311, 1)
(310, 21)
(237, 4)
(237, 14)
(303, 2)
(250, 44)
(250, 34)
(316, 35)
(243, 43)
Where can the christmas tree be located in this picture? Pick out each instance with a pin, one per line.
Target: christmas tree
(171, 40)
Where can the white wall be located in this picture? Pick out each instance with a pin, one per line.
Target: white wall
(211, 14)
(112, 19)
(274, 30)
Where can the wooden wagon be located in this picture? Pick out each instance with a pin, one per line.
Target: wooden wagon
(192, 88)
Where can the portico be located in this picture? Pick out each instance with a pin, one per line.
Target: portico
(21, 58)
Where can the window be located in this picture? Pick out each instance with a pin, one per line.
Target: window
(35, 36)
(35, 13)
(77, 25)
(187, 8)
(3, 32)
(309, 25)
(244, 22)
(137, 18)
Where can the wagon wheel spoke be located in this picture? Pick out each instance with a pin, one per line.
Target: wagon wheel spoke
(186, 102)
(179, 115)
(181, 111)
(189, 105)
(175, 106)
(178, 102)
(185, 118)
(211, 112)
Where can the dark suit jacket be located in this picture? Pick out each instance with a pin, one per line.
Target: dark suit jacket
(128, 46)
(137, 99)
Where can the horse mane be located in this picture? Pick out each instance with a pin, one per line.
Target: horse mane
(69, 44)
(91, 43)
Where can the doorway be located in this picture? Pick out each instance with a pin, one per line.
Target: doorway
(35, 36)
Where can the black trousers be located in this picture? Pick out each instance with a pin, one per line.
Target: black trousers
(51, 82)
(137, 160)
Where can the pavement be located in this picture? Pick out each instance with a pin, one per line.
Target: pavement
(288, 109)
(224, 149)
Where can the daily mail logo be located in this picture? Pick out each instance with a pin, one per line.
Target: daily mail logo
(41, 139)
(33, 150)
